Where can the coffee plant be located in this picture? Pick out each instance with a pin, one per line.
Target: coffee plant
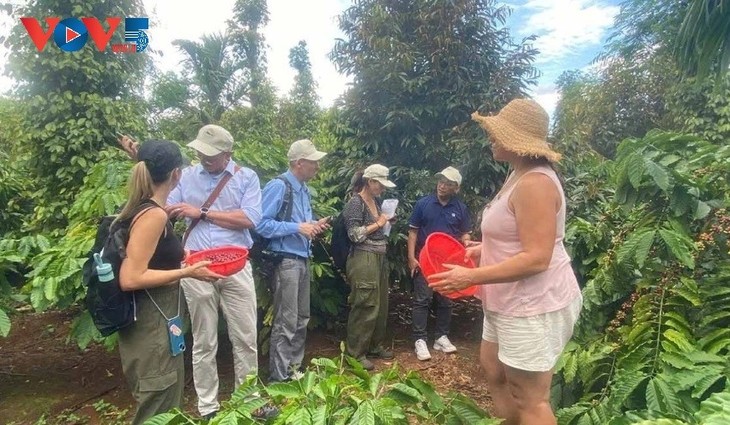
(653, 338)
(339, 391)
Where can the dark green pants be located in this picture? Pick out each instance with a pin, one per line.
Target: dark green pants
(367, 274)
(155, 377)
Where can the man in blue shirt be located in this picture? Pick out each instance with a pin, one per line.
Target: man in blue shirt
(439, 212)
(291, 242)
(226, 222)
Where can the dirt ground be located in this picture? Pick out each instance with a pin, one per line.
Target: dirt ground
(42, 374)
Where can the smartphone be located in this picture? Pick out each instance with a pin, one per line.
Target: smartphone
(177, 338)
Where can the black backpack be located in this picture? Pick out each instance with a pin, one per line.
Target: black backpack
(111, 308)
(259, 253)
(340, 244)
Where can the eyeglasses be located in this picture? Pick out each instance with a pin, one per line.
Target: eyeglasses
(447, 183)
(210, 158)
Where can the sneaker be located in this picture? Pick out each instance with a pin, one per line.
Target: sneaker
(265, 412)
(443, 344)
(296, 375)
(381, 353)
(422, 350)
(209, 417)
(366, 364)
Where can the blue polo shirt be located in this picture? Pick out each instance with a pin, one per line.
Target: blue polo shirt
(430, 216)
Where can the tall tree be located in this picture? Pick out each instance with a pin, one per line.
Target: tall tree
(624, 99)
(641, 84)
(299, 113)
(246, 26)
(215, 73)
(419, 70)
(75, 102)
(704, 38)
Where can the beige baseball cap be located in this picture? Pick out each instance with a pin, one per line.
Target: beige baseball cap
(450, 174)
(379, 173)
(304, 149)
(212, 139)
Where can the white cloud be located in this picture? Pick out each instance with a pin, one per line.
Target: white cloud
(548, 100)
(565, 26)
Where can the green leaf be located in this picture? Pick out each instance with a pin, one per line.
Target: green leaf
(624, 384)
(285, 390)
(715, 410)
(364, 415)
(658, 173)
(4, 323)
(636, 247)
(319, 417)
(300, 416)
(661, 397)
(404, 394)
(635, 169)
(701, 210)
(679, 340)
(433, 400)
(164, 419)
(678, 246)
(467, 411)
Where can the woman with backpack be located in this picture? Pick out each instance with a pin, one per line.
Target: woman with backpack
(152, 269)
(367, 271)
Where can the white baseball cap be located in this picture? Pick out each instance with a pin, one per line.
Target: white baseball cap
(379, 173)
(304, 149)
(450, 174)
(212, 139)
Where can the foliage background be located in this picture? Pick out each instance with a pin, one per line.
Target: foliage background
(645, 136)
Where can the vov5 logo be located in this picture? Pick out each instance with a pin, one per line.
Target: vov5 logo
(71, 34)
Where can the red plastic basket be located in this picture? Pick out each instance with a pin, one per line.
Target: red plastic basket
(227, 260)
(441, 249)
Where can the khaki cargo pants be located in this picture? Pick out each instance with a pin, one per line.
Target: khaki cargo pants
(155, 378)
(367, 274)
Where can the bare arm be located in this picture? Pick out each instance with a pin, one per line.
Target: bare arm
(143, 239)
(536, 201)
(412, 260)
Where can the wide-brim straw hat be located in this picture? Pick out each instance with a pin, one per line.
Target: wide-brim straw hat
(520, 127)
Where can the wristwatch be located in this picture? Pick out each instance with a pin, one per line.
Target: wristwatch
(204, 214)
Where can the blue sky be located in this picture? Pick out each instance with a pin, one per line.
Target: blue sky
(571, 32)
(570, 35)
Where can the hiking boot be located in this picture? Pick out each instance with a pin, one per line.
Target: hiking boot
(265, 412)
(422, 350)
(443, 344)
(209, 417)
(366, 364)
(381, 353)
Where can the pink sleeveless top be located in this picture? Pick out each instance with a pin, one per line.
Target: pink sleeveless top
(544, 292)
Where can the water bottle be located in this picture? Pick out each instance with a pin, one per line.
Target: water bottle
(103, 270)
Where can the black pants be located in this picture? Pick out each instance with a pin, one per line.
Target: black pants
(421, 302)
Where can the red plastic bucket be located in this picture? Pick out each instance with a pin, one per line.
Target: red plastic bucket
(441, 249)
(227, 260)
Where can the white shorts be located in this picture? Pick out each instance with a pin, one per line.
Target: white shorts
(532, 343)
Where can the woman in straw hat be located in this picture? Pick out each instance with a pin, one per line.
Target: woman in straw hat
(367, 271)
(529, 293)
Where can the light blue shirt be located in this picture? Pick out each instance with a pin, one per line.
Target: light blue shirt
(242, 192)
(284, 235)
